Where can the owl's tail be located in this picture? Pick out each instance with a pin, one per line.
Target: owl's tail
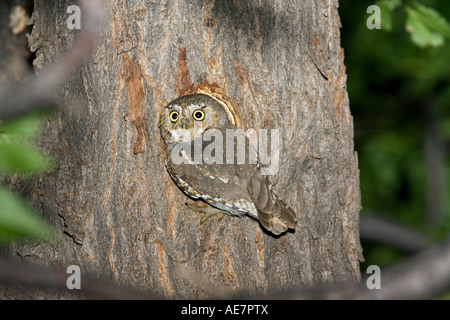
(273, 213)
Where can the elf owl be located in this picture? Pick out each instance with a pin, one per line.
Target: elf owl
(193, 125)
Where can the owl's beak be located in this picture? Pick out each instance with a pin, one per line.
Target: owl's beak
(184, 124)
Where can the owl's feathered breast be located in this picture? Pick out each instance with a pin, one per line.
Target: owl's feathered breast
(220, 184)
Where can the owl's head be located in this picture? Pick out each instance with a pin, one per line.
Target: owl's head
(188, 117)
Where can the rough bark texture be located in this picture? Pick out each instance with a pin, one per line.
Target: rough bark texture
(120, 215)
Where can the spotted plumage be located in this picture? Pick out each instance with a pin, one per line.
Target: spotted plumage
(192, 123)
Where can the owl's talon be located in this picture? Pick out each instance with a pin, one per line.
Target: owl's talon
(206, 216)
(208, 211)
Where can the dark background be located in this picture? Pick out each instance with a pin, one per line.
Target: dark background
(399, 95)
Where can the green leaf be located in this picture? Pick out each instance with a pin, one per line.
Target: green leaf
(17, 220)
(426, 25)
(27, 125)
(433, 19)
(386, 8)
(15, 156)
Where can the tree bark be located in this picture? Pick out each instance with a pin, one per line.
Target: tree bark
(119, 214)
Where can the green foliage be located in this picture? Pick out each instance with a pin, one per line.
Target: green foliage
(17, 220)
(18, 156)
(16, 153)
(386, 9)
(426, 25)
(394, 77)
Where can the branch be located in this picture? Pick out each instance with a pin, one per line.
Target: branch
(424, 276)
(15, 273)
(392, 234)
(38, 92)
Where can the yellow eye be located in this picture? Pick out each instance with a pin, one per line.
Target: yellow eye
(173, 116)
(198, 115)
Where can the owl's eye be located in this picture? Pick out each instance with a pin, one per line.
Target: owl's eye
(198, 115)
(173, 116)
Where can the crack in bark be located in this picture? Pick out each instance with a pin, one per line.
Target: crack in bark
(76, 238)
(318, 68)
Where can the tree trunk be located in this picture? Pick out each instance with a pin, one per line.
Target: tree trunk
(120, 215)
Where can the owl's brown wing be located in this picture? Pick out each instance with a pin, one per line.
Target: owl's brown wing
(236, 188)
(273, 213)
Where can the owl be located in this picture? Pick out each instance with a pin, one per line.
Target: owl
(189, 126)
